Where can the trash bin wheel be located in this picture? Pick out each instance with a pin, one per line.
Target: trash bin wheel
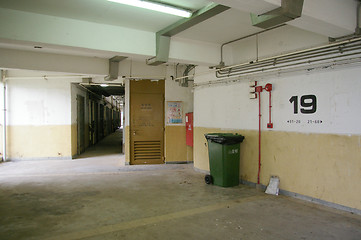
(208, 179)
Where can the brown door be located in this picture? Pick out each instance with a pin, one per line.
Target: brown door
(147, 122)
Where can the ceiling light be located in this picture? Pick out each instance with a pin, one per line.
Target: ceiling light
(155, 7)
(104, 85)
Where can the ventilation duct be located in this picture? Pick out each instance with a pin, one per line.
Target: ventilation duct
(289, 10)
(114, 68)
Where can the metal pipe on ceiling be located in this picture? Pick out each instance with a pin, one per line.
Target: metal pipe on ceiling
(244, 37)
(353, 43)
(277, 71)
(100, 84)
(308, 56)
(50, 77)
(300, 51)
(279, 68)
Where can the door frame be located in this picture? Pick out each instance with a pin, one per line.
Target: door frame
(146, 91)
(80, 123)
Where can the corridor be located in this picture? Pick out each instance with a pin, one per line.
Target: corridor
(96, 197)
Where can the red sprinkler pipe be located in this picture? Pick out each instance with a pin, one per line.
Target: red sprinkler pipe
(259, 90)
(259, 139)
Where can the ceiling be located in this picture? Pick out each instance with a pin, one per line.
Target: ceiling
(109, 90)
(221, 28)
(104, 12)
(226, 26)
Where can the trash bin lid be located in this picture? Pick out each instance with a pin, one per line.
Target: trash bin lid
(224, 138)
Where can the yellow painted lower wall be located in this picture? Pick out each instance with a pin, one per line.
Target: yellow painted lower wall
(127, 145)
(27, 142)
(176, 149)
(74, 140)
(322, 166)
(1, 141)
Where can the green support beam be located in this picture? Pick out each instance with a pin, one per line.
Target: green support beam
(289, 10)
(163, 36)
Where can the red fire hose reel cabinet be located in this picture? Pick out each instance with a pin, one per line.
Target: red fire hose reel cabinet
(189, 129)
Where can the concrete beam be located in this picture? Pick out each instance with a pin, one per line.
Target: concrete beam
(289, 10)
(163, 36)
(197, 17)
(332, 18)
(114, 68)
(22, 30)
(18, 59)
(32, 27)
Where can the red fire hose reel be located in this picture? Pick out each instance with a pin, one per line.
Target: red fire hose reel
(268, 87)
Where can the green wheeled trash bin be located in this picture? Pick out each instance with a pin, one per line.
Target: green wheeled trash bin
(224, 158)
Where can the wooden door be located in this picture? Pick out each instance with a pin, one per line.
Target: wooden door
(147, 122)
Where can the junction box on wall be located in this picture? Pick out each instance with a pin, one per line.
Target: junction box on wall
(255, 91)
(268, 88)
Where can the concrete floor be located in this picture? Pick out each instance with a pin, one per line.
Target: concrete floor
(97, 197)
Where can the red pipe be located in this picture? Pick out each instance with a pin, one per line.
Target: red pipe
(259, 90)
(259, 138)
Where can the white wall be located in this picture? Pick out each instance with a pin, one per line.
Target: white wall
(175, 92)
(38, 115)
(34, 100)
(337, 93)
(316, 155)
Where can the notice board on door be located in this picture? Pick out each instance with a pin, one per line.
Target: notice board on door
(174, 112)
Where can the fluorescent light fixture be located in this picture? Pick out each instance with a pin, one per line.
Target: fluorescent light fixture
(104, 85)
(155, 7)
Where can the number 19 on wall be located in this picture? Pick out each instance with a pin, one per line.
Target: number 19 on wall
(308, 104)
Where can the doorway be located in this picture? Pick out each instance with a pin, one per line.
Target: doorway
(80, 124)
(147, 122)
